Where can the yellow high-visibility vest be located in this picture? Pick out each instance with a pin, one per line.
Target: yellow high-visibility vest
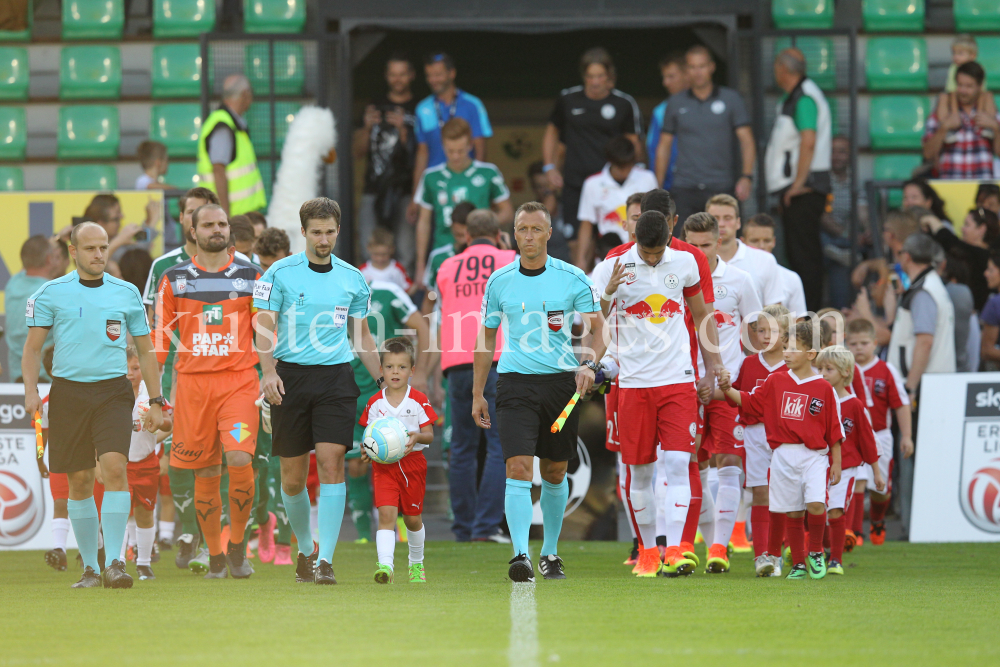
(246, 187)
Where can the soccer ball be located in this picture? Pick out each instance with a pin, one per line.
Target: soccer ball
(385, 440)
(22, 511)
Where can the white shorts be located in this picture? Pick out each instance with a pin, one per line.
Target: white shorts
(758, 455)
(798, 477)
(839, 495)
(884, 442)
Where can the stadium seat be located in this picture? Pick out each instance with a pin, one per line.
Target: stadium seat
(13, 73)
(176, 70)
(90, 73)
(93, 19)
(182, 18)
(896, 63)
(283, 16)
(181, 175)
(897, 121)
(13, 133)
(821, 59)
(989, 58)
(88, 132)
(86, 177)
(802, 14)
(976, 16)
(259, 122)
(11, 179)
(896, 167)
(893, 15)
(289, 68)
(178, 126)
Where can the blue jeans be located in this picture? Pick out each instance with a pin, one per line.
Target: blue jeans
(478, 512)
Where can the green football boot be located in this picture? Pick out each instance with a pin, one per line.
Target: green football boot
(797, 572)
(383, 575)
(417, 575)
(817, 564)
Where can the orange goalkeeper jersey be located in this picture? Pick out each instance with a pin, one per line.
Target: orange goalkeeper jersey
(210, 316)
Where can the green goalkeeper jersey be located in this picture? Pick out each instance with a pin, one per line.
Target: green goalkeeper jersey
(441, 189)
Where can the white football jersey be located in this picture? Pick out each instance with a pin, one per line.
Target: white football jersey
(764, 269)
(795, 295)
(602, 199)
(143, 442)
(736, 301)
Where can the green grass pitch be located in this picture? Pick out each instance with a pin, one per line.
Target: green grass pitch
(899, 604)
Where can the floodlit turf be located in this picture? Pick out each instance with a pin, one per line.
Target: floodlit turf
(899, 604)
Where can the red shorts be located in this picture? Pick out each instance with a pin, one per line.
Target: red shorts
(59, 486)
(722, 434)
(612, 441)
(144, 481)
(401, 485)
(649, 415)
(165, 485)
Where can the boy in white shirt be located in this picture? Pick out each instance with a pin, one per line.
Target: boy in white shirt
(153, 159)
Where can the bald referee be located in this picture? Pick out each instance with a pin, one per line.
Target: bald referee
(535, 298)
(91, 400)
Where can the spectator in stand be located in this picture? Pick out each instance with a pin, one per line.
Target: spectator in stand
(704, 120)
(543, 192)
(979, 233)
(759, 233)
(962, 140)
(584, 119)
(388, 139)
(445, 103)
(674, 78)
(381, 265)
(259, 223)
(836, 225)
(106, 210)
(602, 201)
(135, 265)
(798, 169)
(41, 261)
(271, 245)
(955, 275)
(988, 197)
(918, 194)
(989, 350)
(154, 162)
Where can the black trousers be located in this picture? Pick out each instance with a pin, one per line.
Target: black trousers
(803, 246)
(692, 200)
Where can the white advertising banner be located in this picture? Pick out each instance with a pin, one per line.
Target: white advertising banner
(25, 499)
(956, 485)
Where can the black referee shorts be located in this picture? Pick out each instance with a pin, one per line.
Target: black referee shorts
(88, 419)
(319, 405)
(526, 407)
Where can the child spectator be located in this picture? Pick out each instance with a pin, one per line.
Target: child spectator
(154, 162)
(381, 266)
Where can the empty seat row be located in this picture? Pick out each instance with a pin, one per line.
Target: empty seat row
(183, 175)
(885, 15)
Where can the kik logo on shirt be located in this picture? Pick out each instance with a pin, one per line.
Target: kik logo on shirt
(793, 406)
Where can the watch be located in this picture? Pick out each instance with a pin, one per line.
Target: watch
(159, 400)
(378, 382)
(593, 365)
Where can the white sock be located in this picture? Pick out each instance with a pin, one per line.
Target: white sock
(385, 544)
(60, 529)
(713, 481)
(706, 520)
(642, 502)
(660, 492)
(130, 537)
(727, 504)
(746, 499)
(167, 531)
(416, 542)
(678, 494)
(621, 487)
(145, 538)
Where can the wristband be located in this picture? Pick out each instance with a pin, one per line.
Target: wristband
(547, 168)
(607, 297)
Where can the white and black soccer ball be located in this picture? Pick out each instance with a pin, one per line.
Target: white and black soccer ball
(385, 440)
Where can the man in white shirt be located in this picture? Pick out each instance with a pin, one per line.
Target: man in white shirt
(759, 233)
(759, 264)
(604, 195)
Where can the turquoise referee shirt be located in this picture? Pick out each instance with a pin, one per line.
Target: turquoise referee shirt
(89, 320)
(536, 309)
(313, 302)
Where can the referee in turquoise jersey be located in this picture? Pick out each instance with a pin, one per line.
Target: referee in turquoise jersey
(91, 400)
(535, 298)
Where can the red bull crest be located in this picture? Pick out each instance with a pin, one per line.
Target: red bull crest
(722, 318)
(656, 308)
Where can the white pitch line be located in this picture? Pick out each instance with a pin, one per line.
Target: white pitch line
(523, 651)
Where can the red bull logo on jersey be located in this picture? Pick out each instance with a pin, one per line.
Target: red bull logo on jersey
(724, 319)
(616, 217)
(793, 406)
(656, 308)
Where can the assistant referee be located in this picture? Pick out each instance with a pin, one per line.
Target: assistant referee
(312, 299)
(91, 400)
(535, 298)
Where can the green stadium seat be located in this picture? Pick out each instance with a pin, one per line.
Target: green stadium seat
(13, 133)
(289, 68)
(896, 63)
(802, 14)
(897, 121)
(278, 16)
(11, 179)
(183, 176)
(182, 18)
(88, 132)
(90, 73)
(13, 73)
(93, 19)
(86, 177)
(176, 70)
(976, 16)
(178, 126)
(821, 59)
(259, 122)
(989, 58)
(896, 167)
(893, 15)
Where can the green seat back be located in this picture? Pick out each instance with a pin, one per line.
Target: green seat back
(897, 121)
(289, 68)
(14, 75)
(259, 123)
(176, 70)
(182, 18)
(893, 15)
(86, 177)
(989, 58)
(13, 133)
(896, 63)
(797, 14)
(88, 132)
(90, 73)
(821, 59)
(178, 126)
(11, 179)
(896, 167)
(93, 19)
(275, 16)
(976, 16)
(183, 176)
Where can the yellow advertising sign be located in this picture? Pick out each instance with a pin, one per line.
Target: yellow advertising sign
(959, 197)
(27, 214)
